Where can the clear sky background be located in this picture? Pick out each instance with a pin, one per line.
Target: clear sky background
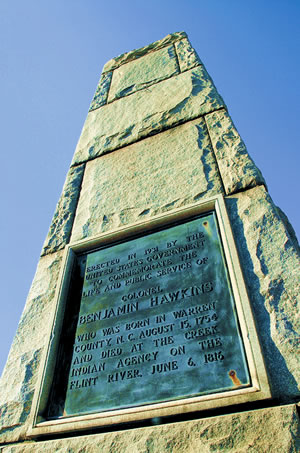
(51, 57)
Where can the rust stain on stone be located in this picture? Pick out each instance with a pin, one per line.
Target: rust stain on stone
(234, 378)
(207, 228)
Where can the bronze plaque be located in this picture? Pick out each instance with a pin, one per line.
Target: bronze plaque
(157, 322)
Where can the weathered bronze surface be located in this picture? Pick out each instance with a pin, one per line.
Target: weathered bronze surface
(157, 322)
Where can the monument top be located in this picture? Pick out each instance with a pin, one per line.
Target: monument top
(137, 53)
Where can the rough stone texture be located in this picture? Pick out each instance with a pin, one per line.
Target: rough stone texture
(134, 54)
(62, 222)
(237, 169)
(18, 380)
(271, 267)
(289, 228)
(187, 56)
(159, 173)
(261, 431)
(172, 101)
(101, 94)
(143, 72)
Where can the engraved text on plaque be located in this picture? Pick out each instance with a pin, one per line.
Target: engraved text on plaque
(157, 322)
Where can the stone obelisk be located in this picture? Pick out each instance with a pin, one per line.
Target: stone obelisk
(158, 137)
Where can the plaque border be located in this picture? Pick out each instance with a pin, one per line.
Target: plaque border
(257, 391)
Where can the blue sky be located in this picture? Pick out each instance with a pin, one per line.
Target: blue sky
(51, 57)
